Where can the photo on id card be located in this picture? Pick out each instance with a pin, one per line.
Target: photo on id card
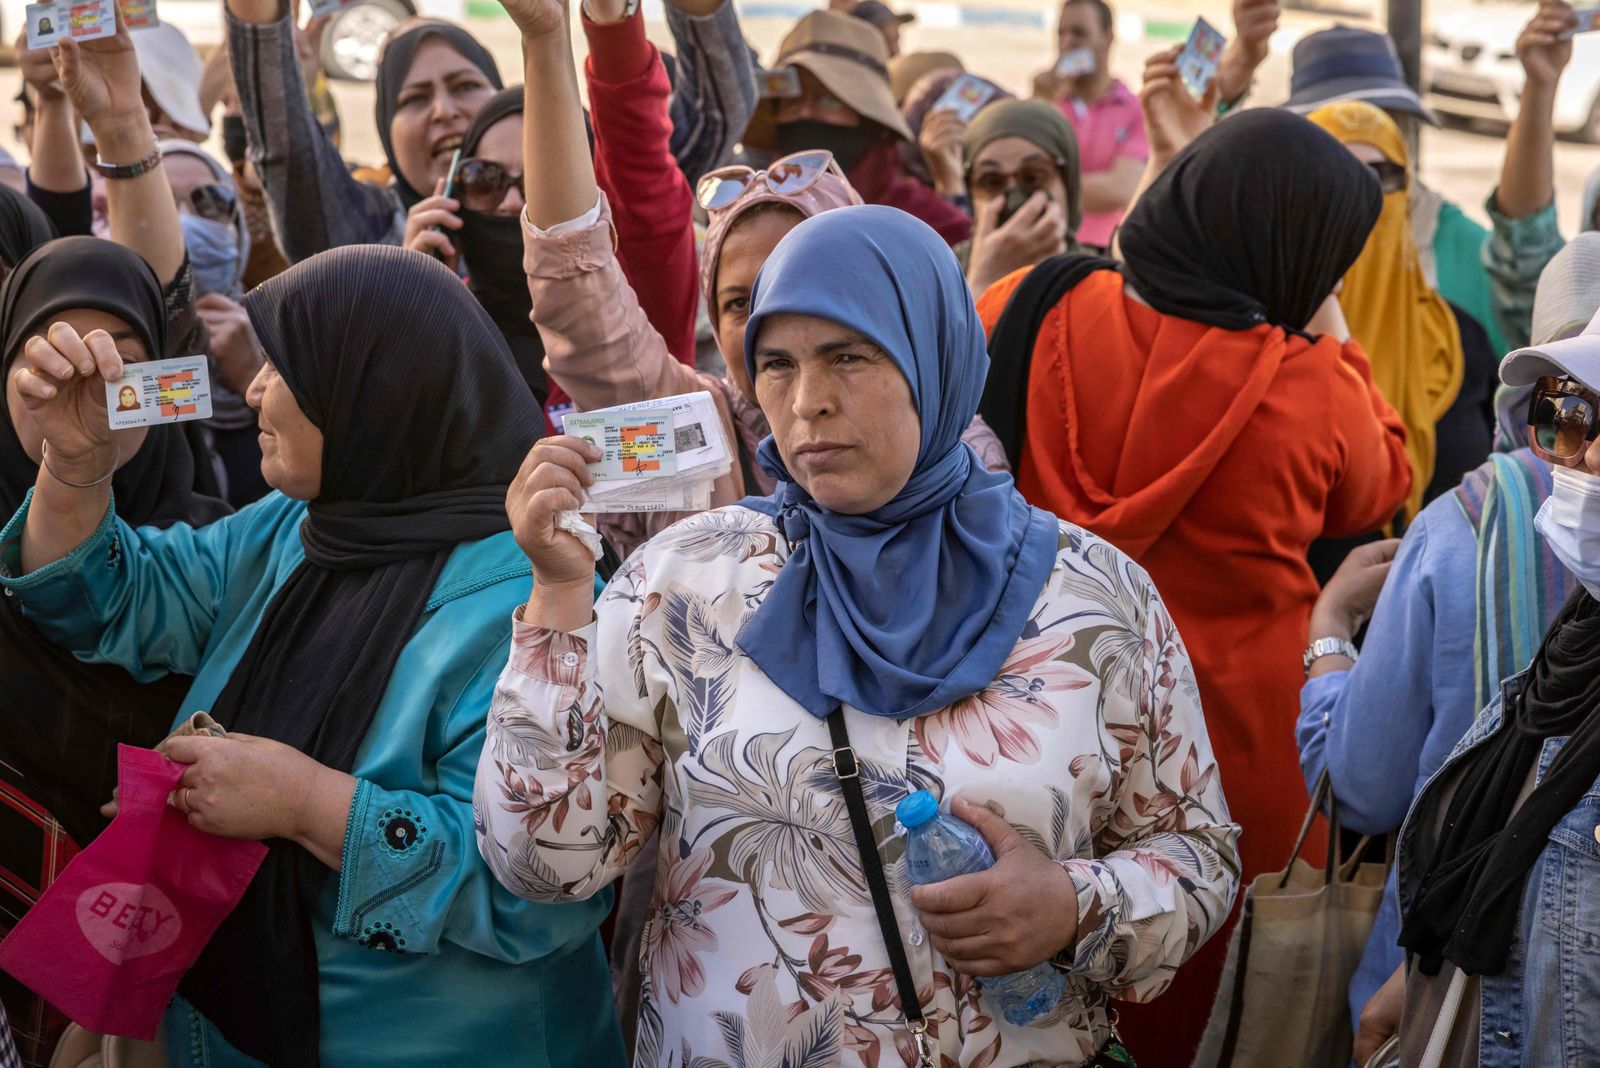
(47, 24)
(162, 391)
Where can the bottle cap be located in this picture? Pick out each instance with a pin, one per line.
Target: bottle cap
(917, 808)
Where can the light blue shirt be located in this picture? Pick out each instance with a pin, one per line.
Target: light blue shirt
(1384, 727)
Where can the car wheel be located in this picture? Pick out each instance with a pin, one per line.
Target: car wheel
(355, 35)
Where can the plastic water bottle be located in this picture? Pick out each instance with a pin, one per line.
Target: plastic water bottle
(940, 847)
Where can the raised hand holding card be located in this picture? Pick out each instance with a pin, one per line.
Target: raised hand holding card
(161, 391)
(966, 97)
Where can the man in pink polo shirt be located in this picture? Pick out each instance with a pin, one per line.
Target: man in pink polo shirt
(1104, 113)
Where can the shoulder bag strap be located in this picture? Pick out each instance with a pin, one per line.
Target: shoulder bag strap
(848, 771)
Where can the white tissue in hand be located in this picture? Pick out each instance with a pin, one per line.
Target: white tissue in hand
(574, 524)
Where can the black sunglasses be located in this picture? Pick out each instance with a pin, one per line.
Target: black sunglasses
(483, 183)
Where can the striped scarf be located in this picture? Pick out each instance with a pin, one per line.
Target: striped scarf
(1520, 583)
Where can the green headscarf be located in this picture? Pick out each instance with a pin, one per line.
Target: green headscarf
(1040, 124)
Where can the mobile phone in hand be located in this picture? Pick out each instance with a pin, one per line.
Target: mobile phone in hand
(449, 191)
(1015, 198)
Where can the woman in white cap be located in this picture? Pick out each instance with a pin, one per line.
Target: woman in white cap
(1498, 861)
(1466, 596)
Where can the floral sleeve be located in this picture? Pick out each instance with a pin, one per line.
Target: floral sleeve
(567, 790)
(1165, 867)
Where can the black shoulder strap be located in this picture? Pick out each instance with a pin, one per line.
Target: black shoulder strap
(848, 770)
(1005, 395)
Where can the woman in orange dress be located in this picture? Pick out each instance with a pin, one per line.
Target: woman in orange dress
(1201, 407)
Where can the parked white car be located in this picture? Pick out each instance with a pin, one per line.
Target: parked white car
(350, 44)
(1471, 71)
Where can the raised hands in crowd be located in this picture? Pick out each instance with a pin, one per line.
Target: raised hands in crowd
(1260, 460)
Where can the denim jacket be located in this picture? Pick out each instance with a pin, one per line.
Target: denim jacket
(1544, 1009)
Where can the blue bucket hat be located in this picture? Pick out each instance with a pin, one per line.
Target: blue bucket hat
(1346, 63)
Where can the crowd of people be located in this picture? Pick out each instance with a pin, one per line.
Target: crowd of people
(1118, 465)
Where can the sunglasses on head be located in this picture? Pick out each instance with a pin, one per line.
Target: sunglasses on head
(788, 177)
(1392, 177)
(1563, 418)
(482, 183)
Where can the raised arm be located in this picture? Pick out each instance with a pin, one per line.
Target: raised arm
(101, 78)
(1254, 23)
(1522, 207)
(315, 203)
(599, 345)
(650, 200)
(58, 178)
(714, 94)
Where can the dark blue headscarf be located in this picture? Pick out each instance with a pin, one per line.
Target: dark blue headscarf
(900, 611)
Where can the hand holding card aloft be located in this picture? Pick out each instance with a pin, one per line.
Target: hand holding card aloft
(966, 97)
(162, 391)
(61, 383)
(49, 24)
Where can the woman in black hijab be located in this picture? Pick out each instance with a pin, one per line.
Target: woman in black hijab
(63, 718)
(347, 630)
(1190, 407)
(432, 78)
(490, 238)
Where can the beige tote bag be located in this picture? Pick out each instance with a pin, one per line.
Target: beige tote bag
(1284, 997)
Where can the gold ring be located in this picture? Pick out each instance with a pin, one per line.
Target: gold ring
(188, 791)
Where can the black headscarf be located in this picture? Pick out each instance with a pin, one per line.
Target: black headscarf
(398, 53)
(1254, 222)
(1465, 902)
(64, 718)
(156, 485)
(492, 247)
(425, 420)
(23, 227)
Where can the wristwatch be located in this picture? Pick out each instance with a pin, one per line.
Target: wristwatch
(1328, 647)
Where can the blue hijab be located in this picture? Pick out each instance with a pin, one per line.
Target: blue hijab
(900, 611)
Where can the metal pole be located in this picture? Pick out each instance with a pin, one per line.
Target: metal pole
(1405, 26)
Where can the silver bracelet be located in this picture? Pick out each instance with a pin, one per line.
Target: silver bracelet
(44, 458)
(1328, 647)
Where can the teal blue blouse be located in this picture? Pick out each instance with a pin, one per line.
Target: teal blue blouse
(424, 959)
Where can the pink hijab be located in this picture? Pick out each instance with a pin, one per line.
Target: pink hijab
(828, 192)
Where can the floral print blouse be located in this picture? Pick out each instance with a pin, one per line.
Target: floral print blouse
(762, 947)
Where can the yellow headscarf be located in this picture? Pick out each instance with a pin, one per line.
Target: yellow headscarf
(1408, 331)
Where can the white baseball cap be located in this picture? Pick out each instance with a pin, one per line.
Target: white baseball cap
(1576, 357)
(172, 69)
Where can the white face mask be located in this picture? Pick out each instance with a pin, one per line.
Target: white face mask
(1570, 522)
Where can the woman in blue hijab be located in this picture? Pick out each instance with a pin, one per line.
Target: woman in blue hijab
(892, 618)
